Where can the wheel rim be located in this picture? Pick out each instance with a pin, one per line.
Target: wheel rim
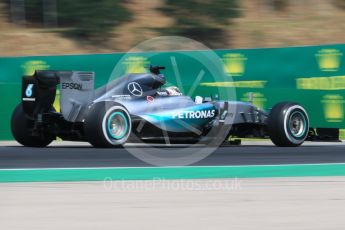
(297, 124)
(117, 125)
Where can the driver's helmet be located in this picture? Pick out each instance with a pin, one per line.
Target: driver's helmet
(173, 91)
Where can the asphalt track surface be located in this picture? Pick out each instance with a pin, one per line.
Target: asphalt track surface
(13, 156)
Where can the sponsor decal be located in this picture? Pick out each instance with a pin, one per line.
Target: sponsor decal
(234, 64)
(150, 99)
(71, 85)
(30, 67)
(236, 84)
(321, 83)
(162, 93)
(121, 96)
(29, 99)
(28, 90)
(256, 98)
(329, 59)
(333, 105)
(136, 64)
(200, 114)
(135, 89)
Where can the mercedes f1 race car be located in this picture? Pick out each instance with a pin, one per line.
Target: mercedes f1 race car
(136, 107)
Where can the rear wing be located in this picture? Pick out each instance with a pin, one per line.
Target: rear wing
(76, 93)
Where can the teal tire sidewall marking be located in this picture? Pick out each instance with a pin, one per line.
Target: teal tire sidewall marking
(109, 128)
(305, 124)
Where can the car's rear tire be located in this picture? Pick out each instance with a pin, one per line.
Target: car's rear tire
(21, 128)
(288, 124)
(107, 125)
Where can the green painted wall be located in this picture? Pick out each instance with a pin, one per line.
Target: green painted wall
(313, 76)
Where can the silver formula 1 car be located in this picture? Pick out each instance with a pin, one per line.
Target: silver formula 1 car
(135, 107)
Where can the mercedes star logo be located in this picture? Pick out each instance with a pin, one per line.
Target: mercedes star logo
(135, 89)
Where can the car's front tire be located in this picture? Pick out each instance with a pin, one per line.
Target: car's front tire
(288, 124)
(107, 125)
(21, 128)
